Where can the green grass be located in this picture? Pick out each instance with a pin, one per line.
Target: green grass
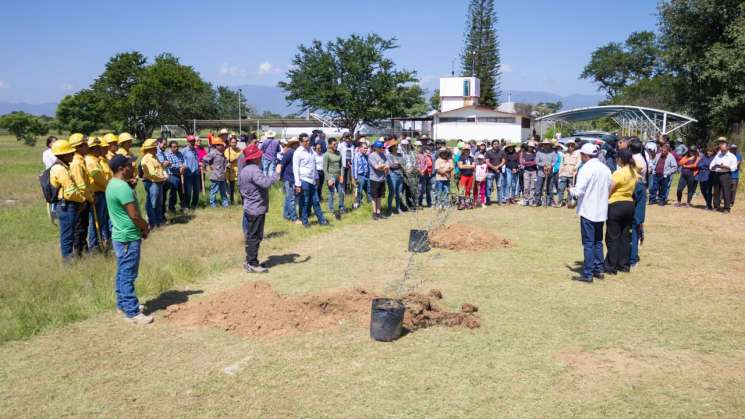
(38, 292)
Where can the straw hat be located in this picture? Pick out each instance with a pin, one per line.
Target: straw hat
(223, 131)
(270, 134)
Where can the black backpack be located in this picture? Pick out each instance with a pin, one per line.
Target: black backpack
(45, 181)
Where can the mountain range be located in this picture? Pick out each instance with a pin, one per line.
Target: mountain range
(272, 99)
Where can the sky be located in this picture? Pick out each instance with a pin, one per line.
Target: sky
(54, 48)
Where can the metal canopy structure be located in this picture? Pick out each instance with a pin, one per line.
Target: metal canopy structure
(629, 118)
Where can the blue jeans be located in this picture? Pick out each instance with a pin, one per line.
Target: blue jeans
(508, 184)
(99, 206)
(309, 198)
(543, 185)
(154, 203)
(222, 187)
(127, 266)
(289, 211)
(425, 190)
(442, 189)
(363, 185)
(174, 191)
(659, 187)
(640, 210)
(564, 183)
(338, 190)
(592, 243)
(492, 184)
(395, 187)
(67, 217)
(192, 186)
(267, 166)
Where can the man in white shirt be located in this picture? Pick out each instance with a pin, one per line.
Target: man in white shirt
(722, 166)
(306, 178)
(47, 156)
(592, 190)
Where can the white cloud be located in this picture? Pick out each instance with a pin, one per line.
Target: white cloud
(506, 68)
(265, 68)
(67, 87)
(3, 84)
(232, 70)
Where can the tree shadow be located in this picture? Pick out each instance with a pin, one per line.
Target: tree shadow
(276, 260)
(577, 268)
(169, 298)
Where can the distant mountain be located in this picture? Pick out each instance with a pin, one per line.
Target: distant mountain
(48, 109)
(568, 102)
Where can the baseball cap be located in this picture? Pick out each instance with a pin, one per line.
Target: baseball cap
(589, 149)
(119, 161)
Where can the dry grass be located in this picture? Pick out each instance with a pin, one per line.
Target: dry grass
(663, 341)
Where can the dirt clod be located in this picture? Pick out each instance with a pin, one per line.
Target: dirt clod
(466, 238)
(469, 308)
(255, 309)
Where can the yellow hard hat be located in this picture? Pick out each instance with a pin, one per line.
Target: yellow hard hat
(104, 143)
(125, 136)
(61, 147)
(76, 140)
(110, 138)
(94, 141)
(148, 144)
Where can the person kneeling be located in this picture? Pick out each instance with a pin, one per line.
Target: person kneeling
(254, 188)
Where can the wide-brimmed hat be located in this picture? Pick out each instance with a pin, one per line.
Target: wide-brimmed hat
(443, 150)
(223, 131)
(270, 134)
(124, 137)
(251, 152)
(390, 143)
(532, 143)
(465, 147)
(722, 140)
(405, 141)
(149, 144)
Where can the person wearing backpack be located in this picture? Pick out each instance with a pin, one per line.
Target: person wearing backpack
(98, 221)
(81, 177)
(65, 194)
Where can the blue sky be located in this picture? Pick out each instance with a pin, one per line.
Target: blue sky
(52, 48)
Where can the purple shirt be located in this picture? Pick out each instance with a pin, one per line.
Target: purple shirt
(254, 188)
(270, 149)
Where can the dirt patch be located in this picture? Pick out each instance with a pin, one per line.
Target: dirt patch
(255, 309)
(462, 237)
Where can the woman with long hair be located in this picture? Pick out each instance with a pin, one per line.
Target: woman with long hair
(620, 213)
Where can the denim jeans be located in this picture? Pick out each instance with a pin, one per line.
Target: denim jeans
(175, 190)
(508, 184)
(127, 267)
(592, 244)
(442, 189)
(67, 217)
(565, 182)
(309, 198)
(425, 190)
(288, 211)
(192, 186)
(153, 203)
(267, 166)
(222, 187)
(659, 188)
(99, 206)
(363, 185)
(543, 186)
(492, 184)
(395, 186)
(640, 210)
(338, 190)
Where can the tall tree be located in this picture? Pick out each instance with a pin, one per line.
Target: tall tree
(352, 81)
(480, 55)
(434, 100)
(82, 112)
(24, 126)
(227, 104)
(114, 87)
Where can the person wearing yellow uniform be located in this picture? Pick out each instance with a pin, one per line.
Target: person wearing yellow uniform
(124, 144)
(232, 153)
(620, 214)
(153, 177)
(82, 180)
(112, 145)
(70, 198)
(98, 221)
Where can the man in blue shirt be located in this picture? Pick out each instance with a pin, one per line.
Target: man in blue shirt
(192, 174)
(175, 170)
(287, 176)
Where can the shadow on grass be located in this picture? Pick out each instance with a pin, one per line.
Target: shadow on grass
(577, 268)
(169, 298)
(276, 260)
(179, 218)
(275, 235)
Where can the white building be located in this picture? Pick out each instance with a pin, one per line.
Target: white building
(461, 117)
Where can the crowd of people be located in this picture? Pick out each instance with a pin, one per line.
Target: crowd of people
(94, 178)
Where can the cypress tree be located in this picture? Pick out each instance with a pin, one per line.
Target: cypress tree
(481, 50)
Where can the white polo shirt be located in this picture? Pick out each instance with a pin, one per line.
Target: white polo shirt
(592, 190)
(727, 159)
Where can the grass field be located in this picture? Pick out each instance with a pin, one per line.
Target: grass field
(663, 341)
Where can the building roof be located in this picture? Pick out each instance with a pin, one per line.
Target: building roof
(637, 117)
(480, 108)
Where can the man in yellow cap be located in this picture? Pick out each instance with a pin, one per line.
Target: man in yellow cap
(98, 221)
(153, 177)
(70, 197)
(112, 145)
(80, 176)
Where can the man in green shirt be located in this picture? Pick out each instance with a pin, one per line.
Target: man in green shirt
(334, 176)
(129, 228)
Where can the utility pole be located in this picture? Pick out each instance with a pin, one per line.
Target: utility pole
(240, 125)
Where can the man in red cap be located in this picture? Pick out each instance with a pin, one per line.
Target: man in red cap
(254, 185)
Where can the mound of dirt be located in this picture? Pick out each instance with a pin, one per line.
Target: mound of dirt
(255, 309)
(466, 238)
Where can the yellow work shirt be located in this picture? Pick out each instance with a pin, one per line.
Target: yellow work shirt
(108, 174)
(232, 170)
(624, 182)
(96, 176)
(152, 170)
(59, 177)
(80, 176)
(110, 155)
(122, 152)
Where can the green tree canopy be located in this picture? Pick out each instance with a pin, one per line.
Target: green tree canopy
(24, 126)
(480, 55)
(227, 104)
(82, 112)
(352, 81)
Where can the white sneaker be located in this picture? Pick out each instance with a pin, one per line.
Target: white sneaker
(141, 308)
(139, 319)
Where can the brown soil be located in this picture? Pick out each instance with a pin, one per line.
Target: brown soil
(255, 309)
(466, 238)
